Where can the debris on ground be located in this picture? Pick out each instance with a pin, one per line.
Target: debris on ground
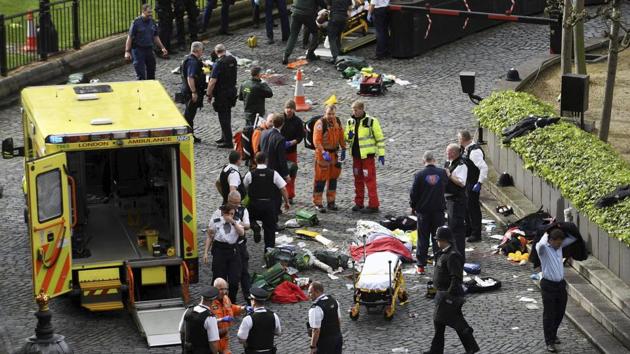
(527, 299)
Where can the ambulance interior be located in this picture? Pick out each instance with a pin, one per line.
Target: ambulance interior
(127, 201)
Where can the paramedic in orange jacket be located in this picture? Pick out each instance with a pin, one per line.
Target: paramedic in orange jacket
(328, 140)
(224, 311)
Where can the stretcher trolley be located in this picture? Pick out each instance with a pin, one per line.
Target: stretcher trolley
(379, 286)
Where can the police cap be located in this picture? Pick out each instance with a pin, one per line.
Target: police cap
(259, 294)
(210, 293)
(444, 233)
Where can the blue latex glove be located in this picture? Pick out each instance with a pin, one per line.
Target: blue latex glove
(477, 187)
(326, 156)
(381, 159)
(350, 135)
(226, 319)
(369, 17)
(249, 310)
(287, 144)
(343, 155)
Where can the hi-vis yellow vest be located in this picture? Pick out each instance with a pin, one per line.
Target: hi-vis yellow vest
(370, 135)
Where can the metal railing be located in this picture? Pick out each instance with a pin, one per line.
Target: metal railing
(58, 26)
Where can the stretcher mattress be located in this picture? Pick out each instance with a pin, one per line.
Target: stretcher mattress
(375, 272)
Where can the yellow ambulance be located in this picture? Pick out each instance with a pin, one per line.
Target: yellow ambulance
(110, 199)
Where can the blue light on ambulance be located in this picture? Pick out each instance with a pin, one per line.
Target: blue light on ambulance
(55, 139)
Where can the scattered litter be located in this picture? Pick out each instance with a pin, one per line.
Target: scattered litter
(309, 84)
(400, 350)
(380, 328)
(413, 315)
(324, 230)
(317, 69)
(527, 299)
(490, 227)
(496, 237)
(291, 270)
(301, 244)
(485, 282)
(514, 276)
(283, 239)
(351, 230)
(532, 307)
(523, 262)
(409, 271)
(298, 63)
(243, 62)
(487, 221)
(292, 223)
(469, 249)
(530, 289)
(175, 71)
(334, 249)
(349, 286)
(401, 82)
(333, 277)
(515, 328)
(302, 282)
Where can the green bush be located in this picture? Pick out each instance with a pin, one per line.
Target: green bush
(583, 167)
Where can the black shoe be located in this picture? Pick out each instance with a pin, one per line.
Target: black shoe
(320, 208)
(284, 40)
(473, 239)
(196, 139)
(257, 236)
(225, 146)
(357, 208)
(551, 348)
(370, 210)
(332, 207)
(225, 33)
(285, 61)
(312, 57)
(270, 41)
(219, 141)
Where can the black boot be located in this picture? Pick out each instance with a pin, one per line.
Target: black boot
(468, 340)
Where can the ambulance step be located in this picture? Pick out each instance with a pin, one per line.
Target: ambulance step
(104, 306)
(100, 284)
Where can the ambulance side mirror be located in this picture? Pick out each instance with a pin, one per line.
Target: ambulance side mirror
(9, 151)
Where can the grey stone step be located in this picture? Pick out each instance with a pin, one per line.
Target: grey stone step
(616, 290)
(598, 306)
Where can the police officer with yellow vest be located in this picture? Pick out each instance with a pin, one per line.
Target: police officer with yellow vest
(364, 134)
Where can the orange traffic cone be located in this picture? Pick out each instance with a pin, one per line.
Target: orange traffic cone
(31, 35)
(300, 101)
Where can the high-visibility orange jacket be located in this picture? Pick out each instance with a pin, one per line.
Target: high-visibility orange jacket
(222, 308)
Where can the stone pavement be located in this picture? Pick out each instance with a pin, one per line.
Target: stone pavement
(422, 116)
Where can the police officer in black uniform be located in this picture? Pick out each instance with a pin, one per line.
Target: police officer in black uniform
(262, 185)
(253, 93)
(457, 173)
(324, 321)
(193, 84)
(427, 202)
(447, 278)
(257, 330)
(198, 327)
(222, 86)
(189, 7)
(477, 175)
(164, 11)
(141, 39)
(223, 234)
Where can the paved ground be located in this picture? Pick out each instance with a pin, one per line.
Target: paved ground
(423, 116)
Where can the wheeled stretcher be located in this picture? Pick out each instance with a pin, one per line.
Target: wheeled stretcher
(380, 285)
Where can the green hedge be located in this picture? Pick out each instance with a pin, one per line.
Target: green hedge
(583, 167)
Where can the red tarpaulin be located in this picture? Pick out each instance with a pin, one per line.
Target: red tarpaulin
(391, 244)
(288, 293)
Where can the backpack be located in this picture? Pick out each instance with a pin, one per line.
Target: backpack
(309, 126)
(243, 141)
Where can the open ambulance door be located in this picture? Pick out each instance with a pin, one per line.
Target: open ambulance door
(50, 224)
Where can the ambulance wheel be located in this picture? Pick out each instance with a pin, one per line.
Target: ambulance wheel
(354, 312)
(403, 296)
(388, 313)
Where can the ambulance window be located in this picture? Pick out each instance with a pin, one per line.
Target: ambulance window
(49, 203)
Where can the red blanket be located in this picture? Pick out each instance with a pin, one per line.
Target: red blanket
(288, 293)
(390, 244)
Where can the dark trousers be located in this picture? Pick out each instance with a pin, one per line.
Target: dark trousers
(335, 28)
(225, 13)
(554, 297)
(265, 211)
(164, 11)
(456, 210)
(190, 7)
(330, 345)
(381, 25)
(297, 21)
(450, 315)
(191, 111)
(427, 227)
(143, 63)
(473, 215)
(224, 112)
(226, 264)
(255, 13)
(284, 18)
(246, 282)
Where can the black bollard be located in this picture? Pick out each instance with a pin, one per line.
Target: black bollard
(45, 341)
